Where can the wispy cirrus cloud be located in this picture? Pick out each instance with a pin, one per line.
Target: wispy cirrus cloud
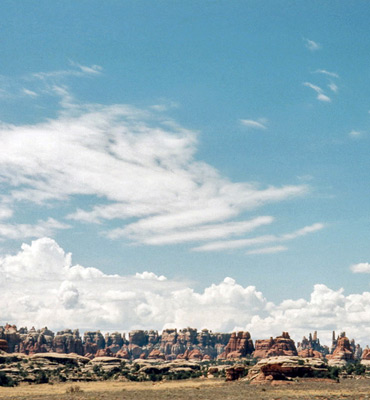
(41, 84)
(355, 133)
(77, 70)
(268, 250)
(260, 123)
(312, 45)
(140, 168)
(333, 87)
(259, 240)
(39, 229)
(321, 96)
(196, 233)
(327, 73)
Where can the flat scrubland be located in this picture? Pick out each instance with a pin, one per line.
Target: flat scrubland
(210, 389)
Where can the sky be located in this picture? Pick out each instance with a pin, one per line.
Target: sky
(173, 164)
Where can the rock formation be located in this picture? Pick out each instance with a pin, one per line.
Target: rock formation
(280, 346)
(240, 345)
(312, 344)
(342, 353)
(172, 344)
(310, 353)
(284, 368)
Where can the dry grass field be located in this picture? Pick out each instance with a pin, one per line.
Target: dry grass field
(210, 389)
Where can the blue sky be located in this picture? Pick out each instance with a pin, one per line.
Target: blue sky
(195, 140)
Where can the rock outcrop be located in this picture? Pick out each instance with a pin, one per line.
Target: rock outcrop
(280, 346)
(342, 353)
(173, 344)
(312, 343)
(285, 368)
(239, 345)
(310, 353)
(235, 372)
(365, 358)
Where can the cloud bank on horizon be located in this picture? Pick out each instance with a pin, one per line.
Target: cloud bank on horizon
(43, 287)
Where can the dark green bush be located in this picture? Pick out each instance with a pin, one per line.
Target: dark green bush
(6, 380)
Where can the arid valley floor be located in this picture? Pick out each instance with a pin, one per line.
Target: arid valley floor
(192, 389)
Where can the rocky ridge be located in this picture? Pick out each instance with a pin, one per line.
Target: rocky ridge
(173, 344)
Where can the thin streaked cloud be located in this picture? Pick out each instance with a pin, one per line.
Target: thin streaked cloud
(254, 124)
(312, 45)
(268, 250)
(260, 240)
(328, 73)
(321, 96)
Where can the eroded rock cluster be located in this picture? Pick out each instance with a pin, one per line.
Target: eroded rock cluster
(172, 344)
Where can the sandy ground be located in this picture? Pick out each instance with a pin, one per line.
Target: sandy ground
(191, 389)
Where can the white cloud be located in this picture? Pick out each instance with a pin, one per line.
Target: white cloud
(78, 71)
(254, 124)
(260, 240)
(323, 97)
(139, 167)
(311, 45)
(328, 73)
(21, 231)
(355, 133)
(320, 93)
(149, 235)
(89, 70)
(360, 268)
(333, 87)
(268, 250)
(39, 286)
(5, 212)
(28, 92)
(150, 275)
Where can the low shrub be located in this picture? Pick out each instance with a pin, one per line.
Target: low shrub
(6, 380)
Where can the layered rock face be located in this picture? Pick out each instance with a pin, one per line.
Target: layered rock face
(280, 346)
(342, 353)
(240, 345)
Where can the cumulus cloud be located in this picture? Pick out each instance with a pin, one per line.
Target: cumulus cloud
(320, 93)
(40, 286)
(311, 45)
(139, 167)
(254, 124)
(360, 268)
